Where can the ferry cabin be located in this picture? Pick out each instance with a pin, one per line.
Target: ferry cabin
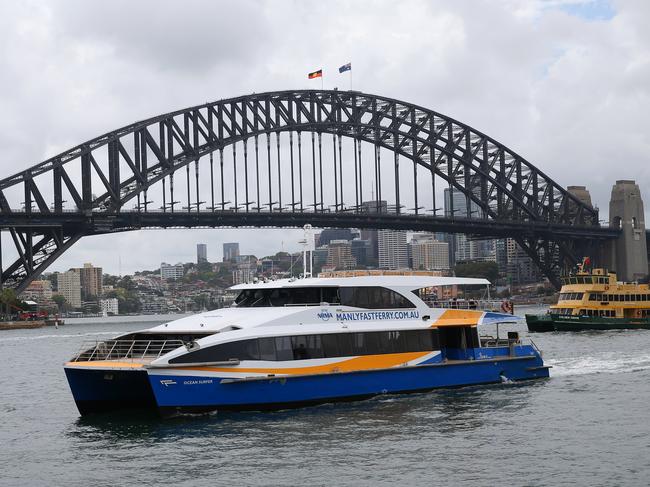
(598, 294)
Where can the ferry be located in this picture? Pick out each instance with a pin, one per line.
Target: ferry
(595, 300)
(298, 342)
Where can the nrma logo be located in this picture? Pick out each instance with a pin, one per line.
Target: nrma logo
(325, 315)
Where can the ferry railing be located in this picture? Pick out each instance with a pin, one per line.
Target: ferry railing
(470, 304)
(537, 349)
(125, 349)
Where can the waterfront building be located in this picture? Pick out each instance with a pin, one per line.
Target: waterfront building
(230, 251)
(39, 291)
(244, 274)
(91, 279)
(201, 253)
(109, 306)
(69, 286)
(339, 255)
(392, 249)
(168, 271)
(429, 254)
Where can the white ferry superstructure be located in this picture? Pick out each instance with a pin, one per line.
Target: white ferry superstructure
(296, 342)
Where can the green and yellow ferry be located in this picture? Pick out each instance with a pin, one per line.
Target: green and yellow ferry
(595, 300)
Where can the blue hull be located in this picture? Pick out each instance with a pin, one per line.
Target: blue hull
(97, 391)
(194, 393)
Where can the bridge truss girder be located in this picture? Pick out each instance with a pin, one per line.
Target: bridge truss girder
(100, 176)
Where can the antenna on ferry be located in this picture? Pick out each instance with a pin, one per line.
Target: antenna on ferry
(307, 245)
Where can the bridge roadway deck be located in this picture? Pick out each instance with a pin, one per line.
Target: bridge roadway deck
(94, 223)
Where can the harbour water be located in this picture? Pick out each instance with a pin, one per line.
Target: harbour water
(587, 425)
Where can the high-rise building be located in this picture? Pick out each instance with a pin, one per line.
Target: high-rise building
(392, 249)
(69, 286)
(230, 251)
(168, 271)
(429, 254)
(330, 234)
(91, 281)
(339, 255)
(456, 204)
(361, 252)
(521, 269)
(201, 253)
(373, 206)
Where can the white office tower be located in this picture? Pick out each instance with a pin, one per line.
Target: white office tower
(393, 252)
(429, 254)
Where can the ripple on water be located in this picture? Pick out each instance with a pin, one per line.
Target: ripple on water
(584, 426)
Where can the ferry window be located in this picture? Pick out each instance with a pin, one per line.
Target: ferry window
(241, 350)
(426, 340)
(301, 296)
(371, 344)
(283, 348)
(306, 347)
(346, 344)
(267, 348)
(373, 298)
(330, 295)
(331, 345)
(279, 297)
(302, 347)
(305, 295)
(358, 344)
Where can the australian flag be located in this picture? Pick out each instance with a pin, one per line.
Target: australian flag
(345, 67)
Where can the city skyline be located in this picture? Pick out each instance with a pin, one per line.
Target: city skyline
(588, 55)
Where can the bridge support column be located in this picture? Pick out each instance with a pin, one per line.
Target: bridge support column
(629, 256)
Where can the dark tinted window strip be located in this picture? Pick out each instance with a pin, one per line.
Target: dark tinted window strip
(358, 297)
(301, 347)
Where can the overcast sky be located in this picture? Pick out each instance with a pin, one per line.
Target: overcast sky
(565, 83)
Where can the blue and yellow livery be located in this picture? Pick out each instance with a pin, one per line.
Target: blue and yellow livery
(292, 343)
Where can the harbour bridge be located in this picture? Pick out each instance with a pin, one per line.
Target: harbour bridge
(329, 158)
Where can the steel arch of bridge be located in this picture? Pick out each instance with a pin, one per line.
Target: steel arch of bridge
(100, 176)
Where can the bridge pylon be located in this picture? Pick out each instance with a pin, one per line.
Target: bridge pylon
(628, 253)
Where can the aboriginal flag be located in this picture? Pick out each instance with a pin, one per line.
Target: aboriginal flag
(315, 74)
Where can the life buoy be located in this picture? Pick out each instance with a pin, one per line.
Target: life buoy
(606, 287)
(506, 307)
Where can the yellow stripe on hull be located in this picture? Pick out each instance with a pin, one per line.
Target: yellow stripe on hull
(366, 362)
(106, 364)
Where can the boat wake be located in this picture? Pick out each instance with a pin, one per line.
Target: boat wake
(54, 335)
(609, 363)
